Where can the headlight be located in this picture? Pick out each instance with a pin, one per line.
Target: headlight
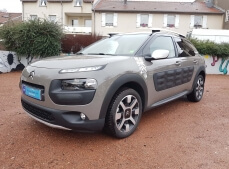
(79, 84)
(82, 69)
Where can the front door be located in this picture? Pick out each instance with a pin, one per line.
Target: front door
(167, 77)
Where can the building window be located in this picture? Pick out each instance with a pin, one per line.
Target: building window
(33, 17)
(43, 2)
(78, 3)
(171, 21)
(198, 21)
(87, 23)
(75, 22)
(109, 19)
(52, 18)
(227, 16)
(144, 19)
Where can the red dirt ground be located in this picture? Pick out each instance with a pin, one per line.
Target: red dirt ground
(178, 135)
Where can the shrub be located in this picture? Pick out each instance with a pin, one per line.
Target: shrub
(211, 48)
(74, 43)
(33, 38)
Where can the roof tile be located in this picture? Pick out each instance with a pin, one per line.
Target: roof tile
(155, 7)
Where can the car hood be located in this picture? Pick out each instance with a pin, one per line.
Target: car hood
(76, 61)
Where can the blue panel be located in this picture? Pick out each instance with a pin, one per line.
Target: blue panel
(31, 92)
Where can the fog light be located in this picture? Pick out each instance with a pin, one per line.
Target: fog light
(82, 116)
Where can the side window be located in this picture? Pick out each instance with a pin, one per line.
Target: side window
(162, 42)
(185, 49)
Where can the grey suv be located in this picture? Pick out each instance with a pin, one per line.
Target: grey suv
(109, 84)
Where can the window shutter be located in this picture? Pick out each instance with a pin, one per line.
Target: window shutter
(177, 20)
(192, 21)
(205, 20)
(227, 16)
(150, 20)
(138, 20)
(165, 20)
(115, 19)
(103, 19)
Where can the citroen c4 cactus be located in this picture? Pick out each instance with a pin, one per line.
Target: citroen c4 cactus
(108, 85)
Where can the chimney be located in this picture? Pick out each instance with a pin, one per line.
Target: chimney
(209, 3)
(125, 2)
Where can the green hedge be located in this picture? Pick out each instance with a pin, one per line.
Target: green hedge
(32, 38)
(211, 48)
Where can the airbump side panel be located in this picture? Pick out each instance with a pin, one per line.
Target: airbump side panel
(171, 78)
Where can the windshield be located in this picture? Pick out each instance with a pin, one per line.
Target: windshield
(117, 45)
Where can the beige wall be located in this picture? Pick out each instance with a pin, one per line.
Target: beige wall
(126, 22)
(69, 10)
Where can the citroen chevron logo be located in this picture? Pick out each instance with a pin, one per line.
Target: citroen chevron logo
(31, 74)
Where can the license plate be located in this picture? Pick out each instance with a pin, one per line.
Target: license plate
(31, 92)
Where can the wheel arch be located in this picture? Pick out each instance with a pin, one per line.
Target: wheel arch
(133, 81)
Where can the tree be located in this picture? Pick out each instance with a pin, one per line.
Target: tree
(33, 38)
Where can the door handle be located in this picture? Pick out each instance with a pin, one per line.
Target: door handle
(178, 63)
(195, 61)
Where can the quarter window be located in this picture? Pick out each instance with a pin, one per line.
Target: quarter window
(163, 42)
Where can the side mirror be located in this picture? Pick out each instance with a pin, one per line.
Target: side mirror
(158, 54)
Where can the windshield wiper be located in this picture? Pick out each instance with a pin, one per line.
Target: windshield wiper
(79, 53)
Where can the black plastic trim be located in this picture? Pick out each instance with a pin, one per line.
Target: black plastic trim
(65, 97)
(67, 119)
(121, 81)
(171, 78)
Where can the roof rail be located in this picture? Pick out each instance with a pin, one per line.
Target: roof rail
(166, 30)
(113, 33)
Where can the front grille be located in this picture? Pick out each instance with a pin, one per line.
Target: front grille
(39, 113)
(33, 85)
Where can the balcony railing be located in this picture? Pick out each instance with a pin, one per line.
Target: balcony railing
(72, 29)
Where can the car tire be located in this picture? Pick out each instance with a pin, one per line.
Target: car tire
(124, 113)
(198, 90)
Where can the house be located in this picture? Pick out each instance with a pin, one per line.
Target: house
(6, 17)
(74, 15)
(222, 4)
(138, 16)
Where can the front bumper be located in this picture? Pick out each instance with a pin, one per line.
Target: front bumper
(69, 120)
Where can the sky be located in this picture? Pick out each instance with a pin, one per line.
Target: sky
(11, 5)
